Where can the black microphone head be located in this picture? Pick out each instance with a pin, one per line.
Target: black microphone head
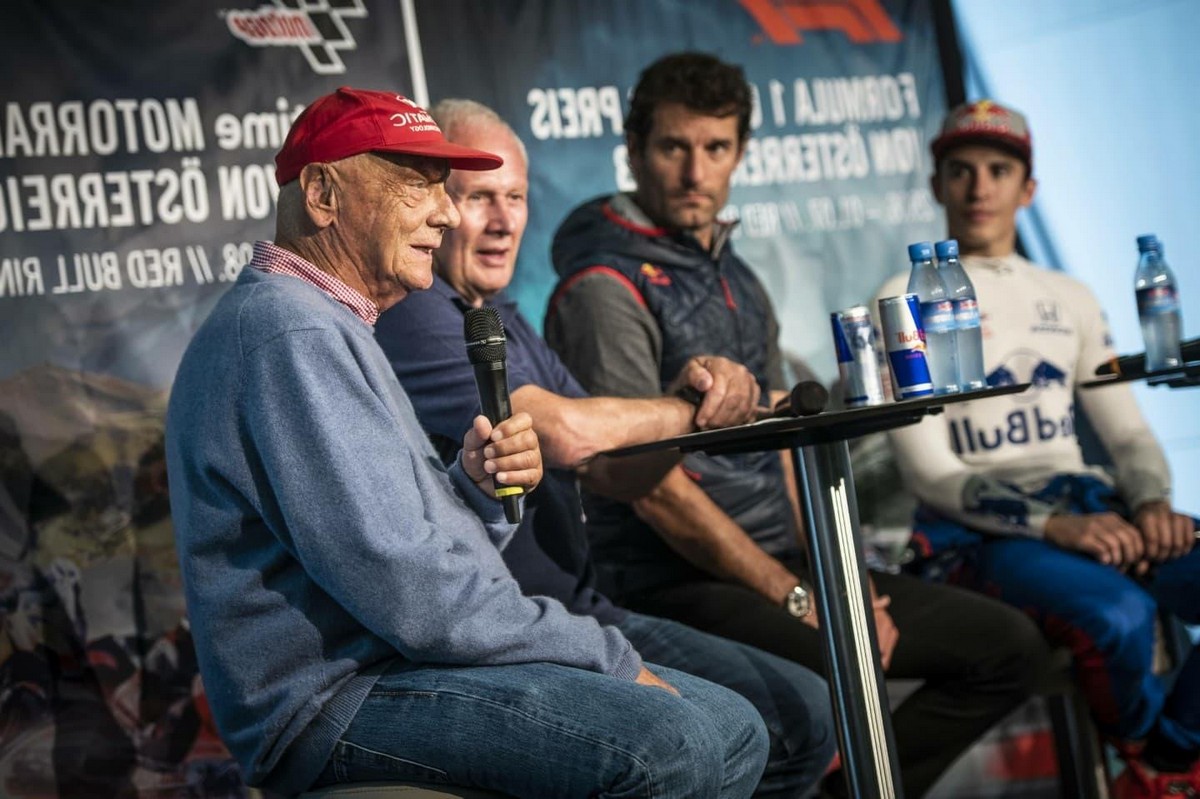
(484, 333)
(808, 398)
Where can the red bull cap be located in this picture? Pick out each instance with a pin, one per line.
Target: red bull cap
(985, 122)
(352, 121)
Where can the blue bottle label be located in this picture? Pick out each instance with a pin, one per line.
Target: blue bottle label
(966, 313)
(937, 316)
(1155, 300)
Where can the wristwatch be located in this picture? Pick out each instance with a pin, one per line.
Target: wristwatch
(799, 602)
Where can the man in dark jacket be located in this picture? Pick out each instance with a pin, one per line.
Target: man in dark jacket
(649, 279)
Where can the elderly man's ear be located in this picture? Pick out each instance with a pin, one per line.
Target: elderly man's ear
(320, 199)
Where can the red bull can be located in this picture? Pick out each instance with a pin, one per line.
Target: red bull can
(904, 342)
(858, 364)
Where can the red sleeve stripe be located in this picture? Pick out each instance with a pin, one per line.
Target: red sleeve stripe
(617, 219)
(598, 269)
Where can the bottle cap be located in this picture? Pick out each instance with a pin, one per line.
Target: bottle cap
(947, 248)
(921, 251)
(1147, 242)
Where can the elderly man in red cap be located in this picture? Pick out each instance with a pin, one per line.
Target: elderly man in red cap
(1092, 557)
(352, 615)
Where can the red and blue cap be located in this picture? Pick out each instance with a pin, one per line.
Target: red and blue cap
(989, 123)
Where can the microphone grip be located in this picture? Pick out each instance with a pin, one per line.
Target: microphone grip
(512, 506)
(491, 378)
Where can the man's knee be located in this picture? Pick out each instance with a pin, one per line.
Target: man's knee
(821, 744)
(1022, 655)
(1122, 626)
(696, 745)
(740, 741)
(803, 735)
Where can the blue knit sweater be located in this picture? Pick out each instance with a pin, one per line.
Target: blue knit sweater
(322, 539)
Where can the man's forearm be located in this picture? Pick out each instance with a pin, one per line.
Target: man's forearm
(628, 478)
(694, 526)
(572, 431)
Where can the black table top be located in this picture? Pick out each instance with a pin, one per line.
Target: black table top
(797, 431)
(1184, 376)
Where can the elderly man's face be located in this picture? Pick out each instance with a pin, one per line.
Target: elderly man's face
(478, 258)
(394, 212)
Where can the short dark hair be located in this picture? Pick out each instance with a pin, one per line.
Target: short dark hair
(699, 81)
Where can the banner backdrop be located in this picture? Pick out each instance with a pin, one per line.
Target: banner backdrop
(834, 183)
(136, 145)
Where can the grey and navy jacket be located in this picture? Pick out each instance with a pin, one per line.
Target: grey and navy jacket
(704, 302)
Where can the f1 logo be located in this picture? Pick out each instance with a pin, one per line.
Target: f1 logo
(862, 21)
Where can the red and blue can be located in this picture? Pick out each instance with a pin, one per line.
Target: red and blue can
(858, 363)
(904, 342)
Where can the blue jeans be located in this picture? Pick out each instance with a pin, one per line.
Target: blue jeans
(1107, 619)
(545, 730)
(793, 701)
(1104, 616)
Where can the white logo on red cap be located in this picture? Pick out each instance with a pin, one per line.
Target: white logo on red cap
(417, 122)
(282, 26)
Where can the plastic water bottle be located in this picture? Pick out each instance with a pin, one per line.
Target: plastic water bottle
(1158, 306)
(971, 375)
(937, 317)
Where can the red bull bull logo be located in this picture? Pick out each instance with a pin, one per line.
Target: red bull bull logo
(656, 276)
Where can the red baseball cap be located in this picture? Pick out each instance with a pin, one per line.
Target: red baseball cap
(985, 122)
(352, 121)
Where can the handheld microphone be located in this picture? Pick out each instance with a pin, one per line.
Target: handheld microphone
(808, 398)
(486, 350)
(1136, 364)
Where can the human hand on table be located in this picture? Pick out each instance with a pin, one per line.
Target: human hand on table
(728, 393)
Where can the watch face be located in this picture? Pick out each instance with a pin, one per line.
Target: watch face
(798, 603)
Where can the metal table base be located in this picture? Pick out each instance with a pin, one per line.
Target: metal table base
(821, 458)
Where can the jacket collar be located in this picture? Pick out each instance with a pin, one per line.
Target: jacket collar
(623, 210)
